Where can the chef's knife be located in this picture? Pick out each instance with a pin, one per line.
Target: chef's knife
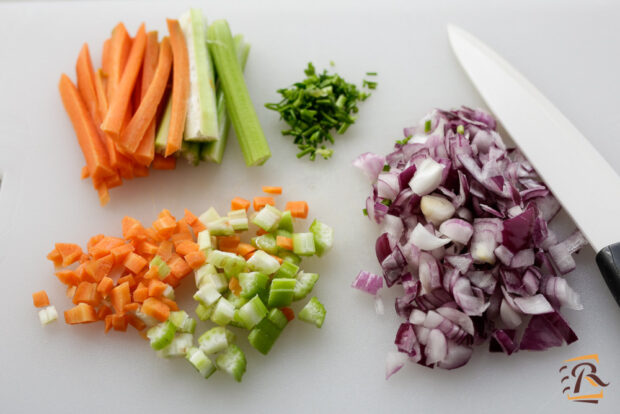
(578, 176)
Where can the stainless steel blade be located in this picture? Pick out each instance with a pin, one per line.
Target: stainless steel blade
(584, 183)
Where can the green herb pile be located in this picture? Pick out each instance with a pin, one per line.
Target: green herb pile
(319, 104)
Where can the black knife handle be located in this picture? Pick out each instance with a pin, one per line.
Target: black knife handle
(608, 261)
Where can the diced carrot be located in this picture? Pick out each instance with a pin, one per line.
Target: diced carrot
(172, 305)
(164, 163)
(289, 313)
(69, 252)
(155, 308)
(260, 202)
(94, 152)
(55, 257)
(82, 274)
(183, 229)
(119, 322)
(297, 208)
(180, 86)
(260, 232)
(195, 259)
(129, 279)
(131, 307)
(100, 268)
(120, 296)
(84, 258)
(113, 181)
(87, 293)
(70, 291)
(172, 280)
(105, 246)
(105, 286)
(239, 203)
(103, 312)
(117, 111)
(132, 229)
(184, 247)
(144, 115)
(284, 242)
(40, 299)
(84, 174)
(104, 195)
(140, 294)
(249, 255)
(108, 323)
(234, 286)
(82, 313)
(68, 277)
(228, 243)
(178, 267)
(194, 222)
(272, 190)
(140, 170)
(190, 218)
(156, 287)
(165, 250)
(121, 252)
(165, 226)
(244, 248)
(92, 242)
(134, 262)
(145, 248)
(279, 259)
(135, 321)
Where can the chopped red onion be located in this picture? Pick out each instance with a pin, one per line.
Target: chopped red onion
(457, 230)
(425, 240)
(368, 282)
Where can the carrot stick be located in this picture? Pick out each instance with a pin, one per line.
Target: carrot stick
(272, 190)
(180, 86)
(115, 58)
(113, 121)
(164, 163)
(86, 84)
(94, 153)
(102, 99)
(105, 57)
(84, 174)
(143, 117)
(284, 242)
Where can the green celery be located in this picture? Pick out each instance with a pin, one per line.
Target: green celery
(268, 218)
(223, 312)
(232, 361)
(201, 273)
(162, 267)
(230, 262)
(281, 292)
(238, 220)
(204, 240)
(266, 242)
(200, 361)
(323, 237)
(209, 216)
(207, 295)
(204, 312)
(313, 312)
(286, 270)
(240, 108)
(286, 222)
(182, 322)
(191, 152)
(252, 312)
(220, 227)
(252, 283)
(303, 244)
(288, 256)
(215, 340)
(263, 262)
(305, 284)
(161, 335)
(178, 347)
(264, 335)
(237, 301)
(278, 318)
(161, 138)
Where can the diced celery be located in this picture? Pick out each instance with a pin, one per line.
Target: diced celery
(178, 347)
(200, 361)
(218, 280)
(264, 335)
(182, 322)
(284, 233)
(286, 222)
(201, 119)
(230, 262)
(252, 283)
(223, 312)
(191, 152)
(204, 312)
(209, 216)
(207, 295)
(221, 227)
(215, 340)
(263, 262)
(313, 312)
(204, 240)
(278, 318)
(268, 218)
(281, 292)
(252, 312)
(323, 237)
(161, 138)
(290, 257)
(266, 242)
(162, 267)
(169, 292)
(147, 319)
(239, 105)
(286, 270)
(238, 220)
(48, 315)
(237, 301)
(232, 361)
(161, 335)
(303, 244)
(305, 284)
(202, 272)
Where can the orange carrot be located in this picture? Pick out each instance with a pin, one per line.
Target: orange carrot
(239, 203)
(183, 231)
(152, 273)
(132, 229)
(165, 250)
(164, 163)
(194, 222)
(144, 115)
(102, 99)
(55, 257)
(260, 202)
(131, 307)
(115, 58)
(145, 248)
(82, 313)
(289, 313)
(249, 255)
(228, 243)
(155, 308)
(297, 208)
(84, 174)
(108, 323)
(87, 293)
(279, 259)
(69, 252)
(135, 321)
(103, 312)
(195, 259)
(68, 277)
(121, 252)
(180, 86)
(172, 305)
(140, 294)
(92, 242)
(94, 152)
(119, 322)
(131, 281)
(117, 111)
(105, 246)
(185, 247)
(272, 190)
(86, 84)
(102, 267)
(178, 267)
(234, 286)
(134, 262)
(70, 291)
(104, 286)
(120, 296)
(245, 248)
(157, 287)
(260, 232)
(165, 226)
(140, 170)
(284, 242)
(40, 299)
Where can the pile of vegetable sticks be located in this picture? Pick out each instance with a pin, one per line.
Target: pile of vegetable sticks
(152, 101)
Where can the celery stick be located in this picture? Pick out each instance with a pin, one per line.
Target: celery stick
(201, 121)
(191, 152)
(161, 138)
(214, 151)
(240, 108)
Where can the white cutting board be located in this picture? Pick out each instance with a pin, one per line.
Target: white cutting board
(568, 49)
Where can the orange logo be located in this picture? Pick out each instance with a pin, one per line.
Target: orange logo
(581, 381)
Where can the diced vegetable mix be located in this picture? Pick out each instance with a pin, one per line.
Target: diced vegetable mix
(247, 283)
(126, 121)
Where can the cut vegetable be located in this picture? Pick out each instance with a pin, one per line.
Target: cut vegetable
(161, 335)
(48, 315)
(180, 87)
(215, 340)
(267, 218)
(305, 284)
(313, 312)
(200, 361)
(252, 312)
(323, 237)
(232, 361)
(303, 244)
(281, 292)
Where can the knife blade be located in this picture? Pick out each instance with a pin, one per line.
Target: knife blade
(578, 176)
